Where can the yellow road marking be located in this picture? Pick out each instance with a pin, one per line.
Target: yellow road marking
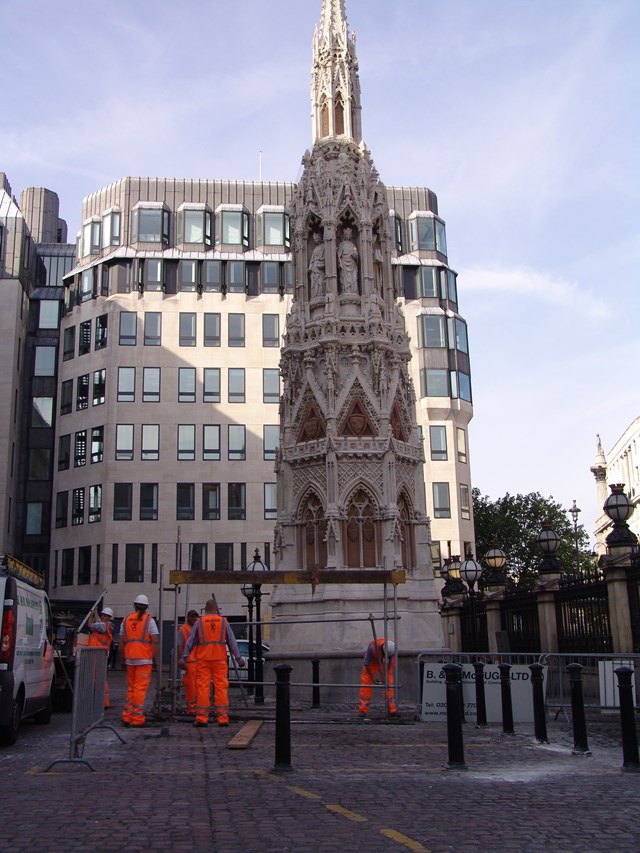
(411, 843)
(354, 816)
(308, 794)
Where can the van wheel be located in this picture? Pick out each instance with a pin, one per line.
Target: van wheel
(9, 733)
(43, 718)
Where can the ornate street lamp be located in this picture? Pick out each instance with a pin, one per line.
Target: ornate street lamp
(548, 542)
(256, 565)
(574, 511)
(470, 572)
(247, 590)
(618, 507)
(451, 573)
(496, 560)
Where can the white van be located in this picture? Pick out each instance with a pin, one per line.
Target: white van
(27, 672)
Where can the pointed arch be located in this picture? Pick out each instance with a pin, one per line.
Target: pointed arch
(313, 426)
(362, 531)
(357, 422)
(339, 116)
(397, 426)
(312, 533)
(408, 544)
(324, 117)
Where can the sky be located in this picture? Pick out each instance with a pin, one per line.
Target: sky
(521, 115)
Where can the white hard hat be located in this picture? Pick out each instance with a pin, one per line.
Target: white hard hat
(389, 648)
(107, 611)
(141, 599)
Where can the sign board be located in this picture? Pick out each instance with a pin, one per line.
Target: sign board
(434, 699)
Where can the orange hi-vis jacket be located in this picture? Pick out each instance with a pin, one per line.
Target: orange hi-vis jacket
(186, 630)
(103, 640)
(136, 639)
(212, 638)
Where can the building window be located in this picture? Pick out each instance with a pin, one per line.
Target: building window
(82, 392)
(134, 563)
(126, 384)
(458, 334)
(84, 339)
(432, 330)
(198, 557)
(66, 396)
(68, 343)
(461, 438)
(270, 330)
(49, 317)
(37, 521)
(114, 563)
(62, 509)
(194, 226)
(232, 228)
(111, 229)
(441, 238)
(235, 281)
(212, 330)
(91, 238)
(288, 277)
(150, 225)
(270, 440)
(97, 444)
(67, 568)
(270, 500)
(452, 288)
(99, 387)
(429, 282)
(236, 385)
(213, 276)
(100, 341)
(187, 329)
(39, 463)
(64, 452)
(77, 506)
(80, 449)
(186, 441)
(211, 385)
(211, 442)
(152, 328)
(150, 274)
(223, 556)
(465, 504)
(150, 442)
(128, 328)
(438, 441)
(41, 412)
(185, 501)
(186, 384)
(124, 442)
(236, 501)
(188, 276)
(273, 229)
(95, 504)
(422, 232)
(236, 330)
(151, 385)
(434, 382)
(211, 501)
(44, 361)
(237, 450)
(270, 385)
(460, 385)
(441, 500)
(154, 562)
(270, 276)
(87, 282)
(395, 228)
(148, 501)
(122, 501)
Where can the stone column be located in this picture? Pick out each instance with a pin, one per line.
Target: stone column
(450, 616)
(492, 608)
(619, 614)
(547, 620)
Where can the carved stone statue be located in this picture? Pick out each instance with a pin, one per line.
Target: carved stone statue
(317, 267)
(348, 263)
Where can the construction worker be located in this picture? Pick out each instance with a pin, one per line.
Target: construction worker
(189, 680)
(139, 648)
(209, 639)
(380, 658)
(101, 636)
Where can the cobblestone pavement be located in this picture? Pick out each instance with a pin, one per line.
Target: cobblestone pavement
(370, 786)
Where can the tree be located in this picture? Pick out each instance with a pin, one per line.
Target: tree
(514, 521)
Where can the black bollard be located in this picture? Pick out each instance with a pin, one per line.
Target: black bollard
(631, 760)
(481, 705)
(539, 717)
(580, 743)
(505, 693)
(283, 719)
(453, 676)
(315, 693)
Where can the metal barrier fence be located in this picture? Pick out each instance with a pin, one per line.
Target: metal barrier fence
(88, 702)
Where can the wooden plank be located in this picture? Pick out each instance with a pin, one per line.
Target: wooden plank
(243, 738)
(330, 576)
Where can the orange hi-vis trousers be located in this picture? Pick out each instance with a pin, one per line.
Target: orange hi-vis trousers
(138, 680)
(189, 684)
(206, 672)
(367, 678)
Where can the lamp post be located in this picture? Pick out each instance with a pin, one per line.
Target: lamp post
(247, 591)
(618, 507)
(256, 565)
(470, 572)
(574, 512)
(451, 573)
(496, 560)
(548, 542)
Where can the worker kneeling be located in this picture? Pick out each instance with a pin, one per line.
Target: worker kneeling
(380, 658)
(209, 640)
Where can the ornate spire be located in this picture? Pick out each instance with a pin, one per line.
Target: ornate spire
(335, 87)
